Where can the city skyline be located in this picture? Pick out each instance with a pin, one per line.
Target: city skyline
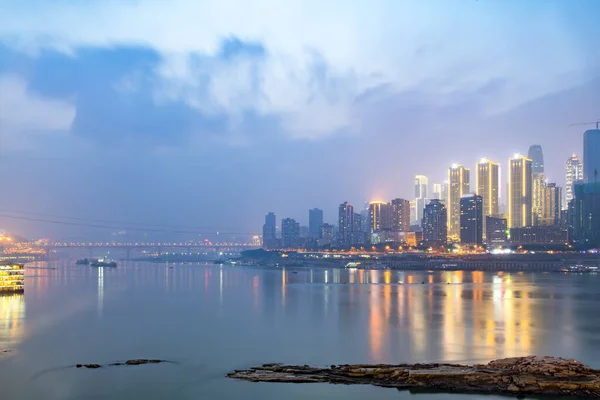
(167, 120)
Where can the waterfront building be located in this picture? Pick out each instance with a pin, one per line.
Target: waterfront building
(519, 192)
(591, 155)
(435, 224)
(585, 211)
(496, 231)
(551, 205)
(458, 186)
(380, 216)
(290, 233)
(326, 235)
(345, 224)
(400, 215)
(471, 219)
(542, 235)
(315, 220)
(574, 173)
(487, 181)
(270, 232)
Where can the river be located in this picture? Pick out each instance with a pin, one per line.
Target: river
(211, 319)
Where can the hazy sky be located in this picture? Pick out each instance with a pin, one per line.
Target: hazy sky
(211, 113)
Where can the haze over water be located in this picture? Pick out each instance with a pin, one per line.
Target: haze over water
(212, 319)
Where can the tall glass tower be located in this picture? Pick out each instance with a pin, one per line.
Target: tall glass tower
(591, 155)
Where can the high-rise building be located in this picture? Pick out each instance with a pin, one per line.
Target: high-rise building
(538, 187)
(345, 224)
(400, 215)
(487, 184)
(270, 232)
(358, 236)
(326, 235)
(591, 155)
(458, 185)
(471, 219)
(380, 216)
(586, 214)
(413, 213)
(435, 225)
(496, 235)
(290, 233)
(519, 192)
(574, 174)
(444, 197)
(536, 156)
(421, 195)
(551, 205)
(315, 220)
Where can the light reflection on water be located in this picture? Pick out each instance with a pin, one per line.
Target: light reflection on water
(232, 317)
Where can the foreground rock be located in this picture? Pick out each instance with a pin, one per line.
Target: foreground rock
(517, 376)
(139, 361)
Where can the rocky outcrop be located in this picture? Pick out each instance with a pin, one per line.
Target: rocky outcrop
(517, 376)
(139, 361)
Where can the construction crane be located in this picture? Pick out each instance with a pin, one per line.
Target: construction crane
(597, 123)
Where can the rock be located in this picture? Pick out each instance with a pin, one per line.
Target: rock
(518, 376)
(142, 361)
(92, 366)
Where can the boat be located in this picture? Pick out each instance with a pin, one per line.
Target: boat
(85, 261)
(12, 279)
(104, 262)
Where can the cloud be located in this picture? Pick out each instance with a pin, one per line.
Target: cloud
(23, 114)
(307, 62)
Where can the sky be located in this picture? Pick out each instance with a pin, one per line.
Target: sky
(208, 114)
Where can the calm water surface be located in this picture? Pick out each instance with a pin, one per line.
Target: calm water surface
(212, 319)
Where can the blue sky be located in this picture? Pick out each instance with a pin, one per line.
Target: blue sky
(212, 113)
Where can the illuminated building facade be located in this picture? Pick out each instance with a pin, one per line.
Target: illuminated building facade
(496, 232)
(380, 216)
(458, 186)
(551, 205)
(487, 181)
(345, 224)
(519, 192)
(574, 173)
(435, 224)
(538, 187)
(400, 215)
(471, 219)
(12, 278)
(585, 208)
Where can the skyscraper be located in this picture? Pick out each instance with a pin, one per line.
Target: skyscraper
(538, 196)
(290, 232)
(435, 224)
(586, 214)
(400, 215)
(519, 192)
(496, 231)
(380, 216)
(487, 182)
(458, 185)
(269, 231)
(421, 195)
(315, 220)
(591, 155)
(346, 224)
(551, 205)
(536, 156)
(574, 174)
(471, 219)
